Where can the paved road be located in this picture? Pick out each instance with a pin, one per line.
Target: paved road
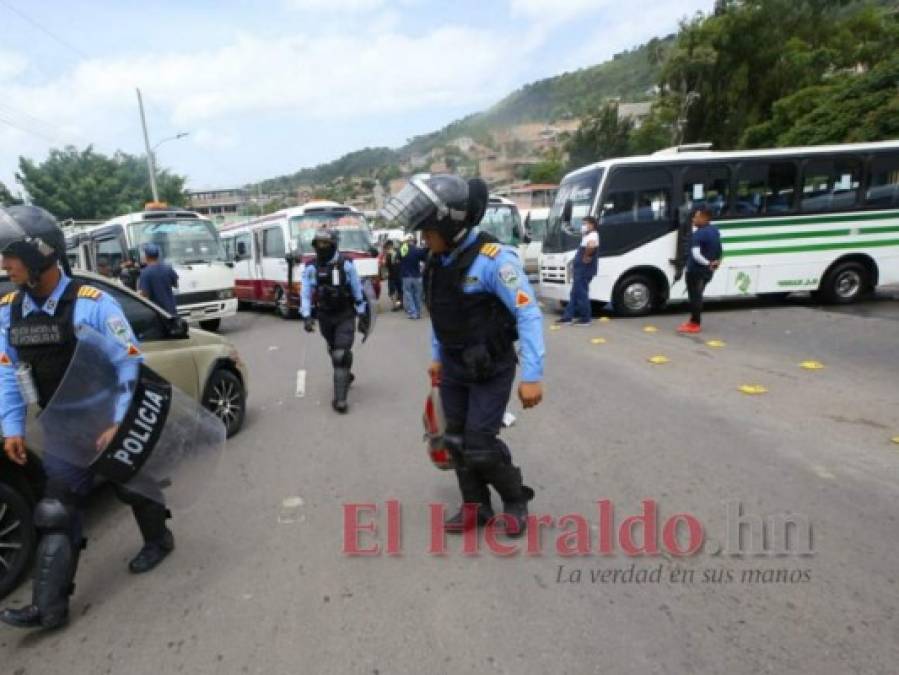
(259, 585)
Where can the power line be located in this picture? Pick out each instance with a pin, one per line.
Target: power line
(44, 30)
(29, 131)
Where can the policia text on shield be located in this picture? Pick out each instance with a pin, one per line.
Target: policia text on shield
(38, 325)
(480, 303)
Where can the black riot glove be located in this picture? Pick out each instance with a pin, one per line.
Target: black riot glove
(364, 323)
(309, 324)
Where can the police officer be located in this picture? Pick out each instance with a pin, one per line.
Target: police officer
(37, 333)
(339, 299)
(480, 303)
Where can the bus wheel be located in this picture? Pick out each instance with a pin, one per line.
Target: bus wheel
(845, 283)
(282, 308)
(635, 295)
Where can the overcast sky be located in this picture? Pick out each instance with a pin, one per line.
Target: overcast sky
(266, 87)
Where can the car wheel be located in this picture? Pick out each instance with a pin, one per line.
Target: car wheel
(211, 325)
(17, 538)
(635, 295)
(226, 399)
(845, 283)
(282, 308)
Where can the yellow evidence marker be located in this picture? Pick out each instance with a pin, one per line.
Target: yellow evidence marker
(604, 319)
(555, 327)
(650, 329)
(658, 360)
(597, 341)
(753, 389)
(716, 344)
(811, 365)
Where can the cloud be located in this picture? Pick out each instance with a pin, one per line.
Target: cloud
(556, 11)
(11, 65)
(335, 6)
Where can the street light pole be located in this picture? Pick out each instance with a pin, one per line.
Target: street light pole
(151, 167)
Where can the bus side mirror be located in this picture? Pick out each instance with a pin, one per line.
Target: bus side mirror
(567, 211)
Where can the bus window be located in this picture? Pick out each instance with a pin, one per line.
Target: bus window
(243, 245)
(830, 184)
(765, 189)
(273, 243)
(109, 256)
(228, 245)
(883, 186)
(637, 197)
(503, 222)
(707, 186)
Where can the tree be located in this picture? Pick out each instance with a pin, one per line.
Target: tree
(6, 197)
(599, 137)
(87, 185)
(547, 171)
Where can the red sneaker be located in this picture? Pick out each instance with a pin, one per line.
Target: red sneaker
(689, 327)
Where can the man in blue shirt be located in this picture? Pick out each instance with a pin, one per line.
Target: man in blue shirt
(37, 343)
(157, 280)
(339, 299)
(480, 303)
(702, 261)
(412, 257)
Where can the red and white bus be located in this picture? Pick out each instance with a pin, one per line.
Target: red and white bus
(269, 252)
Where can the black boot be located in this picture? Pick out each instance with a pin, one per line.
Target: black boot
(474, 491)
(158, 539)
(341, 388)
(55, 565)
(506, 478)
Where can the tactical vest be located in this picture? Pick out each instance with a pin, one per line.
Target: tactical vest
(46, 343)
(332, 297)
(460, 319)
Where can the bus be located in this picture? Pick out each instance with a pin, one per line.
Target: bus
(502, 220)
(188, 242)
(823, 219)
(269, 252)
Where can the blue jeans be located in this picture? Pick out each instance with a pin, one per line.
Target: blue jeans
(579, 302)
(412, 296)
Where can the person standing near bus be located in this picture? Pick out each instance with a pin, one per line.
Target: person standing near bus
(702, 261)
(157, 280)
(412, 258)
(585, 266)
(339, 299)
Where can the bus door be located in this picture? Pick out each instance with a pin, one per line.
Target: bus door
(274, 261)
(107, 250)
(244, 267)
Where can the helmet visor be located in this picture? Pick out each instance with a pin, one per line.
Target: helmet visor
(413, 205)
(10, 231)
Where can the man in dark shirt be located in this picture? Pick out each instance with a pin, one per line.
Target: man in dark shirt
(157, 280)
(702, 261)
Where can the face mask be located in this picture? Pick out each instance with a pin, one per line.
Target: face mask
(585, 229)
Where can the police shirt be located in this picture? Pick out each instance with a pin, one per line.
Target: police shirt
(309, 283)
(93, 308)
(498, 271)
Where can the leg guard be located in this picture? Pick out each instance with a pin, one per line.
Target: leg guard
(342, 359)
(473, 489)
(495, 467)
(57, 558)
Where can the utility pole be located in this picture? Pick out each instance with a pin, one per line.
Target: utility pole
(151, 165)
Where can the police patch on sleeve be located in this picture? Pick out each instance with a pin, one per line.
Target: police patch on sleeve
(119, 329)
(5, 360)
(509, 276)
(522, 299)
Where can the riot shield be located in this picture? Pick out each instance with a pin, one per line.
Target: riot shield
(371, 307)
(166, 446)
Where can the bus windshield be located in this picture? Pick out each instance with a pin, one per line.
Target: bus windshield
(354, 232)
(581, 191)
(503, 222)
(181, 242)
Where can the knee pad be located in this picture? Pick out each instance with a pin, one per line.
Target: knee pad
(455, 445)
(483, 450)
(52, 515)
(341, 358)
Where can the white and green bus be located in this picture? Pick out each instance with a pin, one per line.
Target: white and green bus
(823, 219)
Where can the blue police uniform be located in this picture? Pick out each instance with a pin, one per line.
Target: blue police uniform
(93, 308)
(481, 302)
(339, 299)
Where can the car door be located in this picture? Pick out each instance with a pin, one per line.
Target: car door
(172, 358)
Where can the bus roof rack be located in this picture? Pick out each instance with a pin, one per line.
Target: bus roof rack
(690, 147)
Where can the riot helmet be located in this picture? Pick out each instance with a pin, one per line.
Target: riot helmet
(325, 244)
(32, 235)
(446, 203)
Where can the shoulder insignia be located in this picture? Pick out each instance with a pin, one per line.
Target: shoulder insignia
(522, 299)
(5, 360)
(90, 293)
(133, 351)
(9, 298)
(491, 250)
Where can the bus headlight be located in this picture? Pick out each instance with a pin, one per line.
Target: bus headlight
(226, 294)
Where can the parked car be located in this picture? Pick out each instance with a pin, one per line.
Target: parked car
(203, 365)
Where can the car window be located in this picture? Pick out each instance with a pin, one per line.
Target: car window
(145, 321)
